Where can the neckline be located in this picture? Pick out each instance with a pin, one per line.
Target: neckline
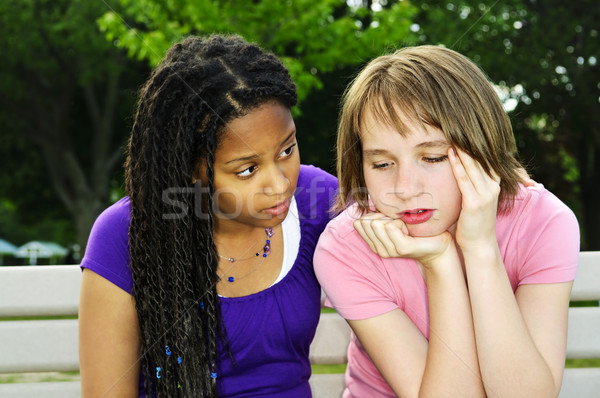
(287, 275)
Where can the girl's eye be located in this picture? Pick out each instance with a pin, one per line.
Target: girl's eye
(288, 151)
(382, 165)
(435, 159)
(247, 172)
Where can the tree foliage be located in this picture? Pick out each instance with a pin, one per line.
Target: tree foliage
(62, 102)
(545, 56)
(65, 89)
(70, 68)
(312, 37)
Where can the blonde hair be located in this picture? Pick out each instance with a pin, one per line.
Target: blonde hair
(432, 85)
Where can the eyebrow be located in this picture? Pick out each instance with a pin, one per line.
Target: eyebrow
(434, 144)
(375, 152)
(426, 144)
(256, 155)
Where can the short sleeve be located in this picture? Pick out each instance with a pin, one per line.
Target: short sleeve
(548, 242)
(107, 252)
(353, 278)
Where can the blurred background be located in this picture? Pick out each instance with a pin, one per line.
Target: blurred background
(70, 71)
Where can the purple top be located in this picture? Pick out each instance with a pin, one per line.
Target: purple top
(270, 331)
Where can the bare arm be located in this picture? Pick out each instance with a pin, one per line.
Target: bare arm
(452, 364)
(446, 366)
(521, 339)
(109, 339)
(396, 347)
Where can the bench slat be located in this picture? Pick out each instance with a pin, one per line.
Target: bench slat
(331, 340)
(587, 282)
(63, 389)
(51, 345)
(577, 383)
(327, 385)
(583, 339)
(39, 290)
(39, 346)
(581, 383)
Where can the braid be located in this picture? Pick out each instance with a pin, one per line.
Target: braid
(200, 86)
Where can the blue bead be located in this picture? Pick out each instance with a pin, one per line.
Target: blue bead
(213, 375)
(231, 279)
(157, 372)
(265, 255)
(167, 350)
(179, 359)
(201, 305)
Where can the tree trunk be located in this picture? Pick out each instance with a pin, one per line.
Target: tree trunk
(84, 194)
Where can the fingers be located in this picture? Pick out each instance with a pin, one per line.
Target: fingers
(372, 228)
(470, 175)
(365, 231)
(480, 194)
(389, 238)
(383, 235)
(458, 169)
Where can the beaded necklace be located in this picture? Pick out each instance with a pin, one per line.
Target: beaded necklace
(266, 251)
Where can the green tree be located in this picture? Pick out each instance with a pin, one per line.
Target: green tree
(546, 56)
(63, 90)
(312, 37)
(63, 97)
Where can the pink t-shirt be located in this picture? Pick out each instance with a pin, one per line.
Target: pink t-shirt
(538, 240)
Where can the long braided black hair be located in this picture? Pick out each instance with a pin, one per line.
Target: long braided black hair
(200, 86)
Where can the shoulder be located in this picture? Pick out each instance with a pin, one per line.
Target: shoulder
(312, 176)
(107, 252)
(357, 281)
(341, 250)
(115, 216)
(315, 193)
(112, 225)
(535, 207)
(342, 226)
(540, 237)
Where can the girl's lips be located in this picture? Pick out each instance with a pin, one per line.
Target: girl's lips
(416, 216)
(280, 208)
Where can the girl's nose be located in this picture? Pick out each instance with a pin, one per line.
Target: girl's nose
(278, 182)
(407, 182)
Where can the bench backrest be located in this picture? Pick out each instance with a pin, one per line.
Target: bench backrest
(583, 339)
(51, 344)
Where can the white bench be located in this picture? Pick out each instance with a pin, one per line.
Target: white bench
(51, 345)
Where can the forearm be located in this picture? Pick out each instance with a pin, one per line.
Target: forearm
(109, 339)
(510, 363)
(452, 367)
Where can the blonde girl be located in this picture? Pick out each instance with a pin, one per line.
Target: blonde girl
(453, 274)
